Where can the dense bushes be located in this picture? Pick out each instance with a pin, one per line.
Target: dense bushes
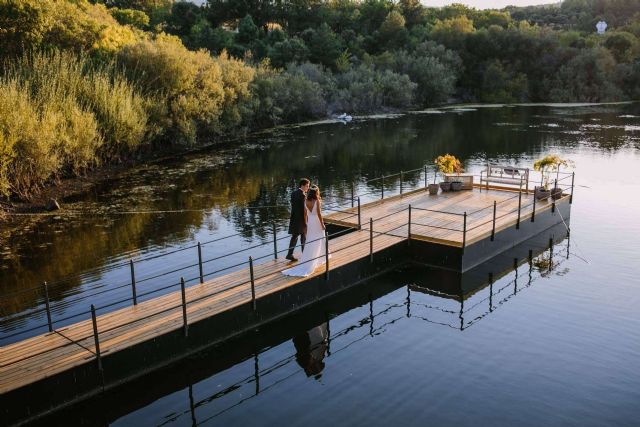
(60, 114)
(284, 97)
(76, 25)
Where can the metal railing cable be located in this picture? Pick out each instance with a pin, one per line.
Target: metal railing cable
(436, 211)
(141, 280)
(438, 227)
(48, 350)
(373, 234)
(121, 301)
(228, 288)
(103, 269)
(225, 290)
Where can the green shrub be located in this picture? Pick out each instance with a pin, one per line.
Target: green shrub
(27, 25)
(63, 115)
(41, 138)
(501, 85)
(202, 93)
(432, 67)
(135, 18)
(284, 96)
(190, 83)
(587, 77)
(364, 89)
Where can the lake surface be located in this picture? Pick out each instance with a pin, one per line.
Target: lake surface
(547, 343)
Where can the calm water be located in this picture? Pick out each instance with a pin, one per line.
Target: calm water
(556, 347)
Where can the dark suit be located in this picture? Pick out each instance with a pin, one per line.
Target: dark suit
(297, 223)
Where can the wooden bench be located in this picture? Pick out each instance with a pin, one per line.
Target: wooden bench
(505, 175)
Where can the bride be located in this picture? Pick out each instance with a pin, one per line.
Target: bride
(314, 248)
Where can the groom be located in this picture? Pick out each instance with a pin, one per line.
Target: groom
(298, 221)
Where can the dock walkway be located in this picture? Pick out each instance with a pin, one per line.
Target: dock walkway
(452, 219)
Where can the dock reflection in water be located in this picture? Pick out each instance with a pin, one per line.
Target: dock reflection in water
(201, 389)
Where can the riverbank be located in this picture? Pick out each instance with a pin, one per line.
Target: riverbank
(67, 187)
(60, 189)
(63, 188)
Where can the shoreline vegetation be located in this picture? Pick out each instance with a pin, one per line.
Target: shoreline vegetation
(93, 86)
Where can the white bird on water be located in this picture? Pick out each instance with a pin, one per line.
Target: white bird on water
(345, 117)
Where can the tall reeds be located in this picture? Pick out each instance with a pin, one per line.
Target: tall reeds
(61, 114)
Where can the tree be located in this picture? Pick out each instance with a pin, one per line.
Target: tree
(492, 17)
(135, 18)
(372, 15)
(289, 50)
(393, 24)
(452, 32)
(413, 12)
(324, 45)
(262, 12)
(434, 69)
(23, 25)
(183, 16)
(203, 36)
(621, 45)
(587, 77)
(247, 31)
(501, 85)
(147, 6)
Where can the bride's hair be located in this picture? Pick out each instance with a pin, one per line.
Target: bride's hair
(314, 193)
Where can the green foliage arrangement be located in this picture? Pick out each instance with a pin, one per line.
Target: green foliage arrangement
(550, 163)
(448, 164)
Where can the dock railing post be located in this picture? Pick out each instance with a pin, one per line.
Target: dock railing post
(573, 177)
(553, 199)
(253, 284)
(519, 205)
(371, 239)
(352, 193)
(184, 308)
(401, 179)
(382, 180)
(493, 228)
(533, 212)
(47, 306)
(326, 255)
(464, 231)
(359, 216)
(409, 228)
(96, 339)
(275, 240)
(425, 177)
(133, 283)
(200, 263)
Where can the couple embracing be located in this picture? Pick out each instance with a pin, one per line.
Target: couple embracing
(307, 224)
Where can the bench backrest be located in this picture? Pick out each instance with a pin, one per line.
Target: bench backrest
(503, 171)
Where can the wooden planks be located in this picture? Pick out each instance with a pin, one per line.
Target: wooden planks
(446, 226)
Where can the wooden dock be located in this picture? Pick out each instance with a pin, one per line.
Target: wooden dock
(457, 220)
(440, 218)
(31, 360)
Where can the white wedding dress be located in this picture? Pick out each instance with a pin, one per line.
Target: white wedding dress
(314, 249)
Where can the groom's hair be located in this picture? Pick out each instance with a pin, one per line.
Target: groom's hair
(303, 182)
